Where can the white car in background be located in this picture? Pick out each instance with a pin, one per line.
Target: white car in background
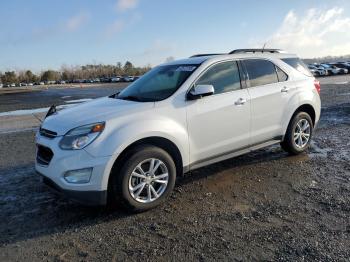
(180, 116)
(316, 71)
(331, 70)
(128, 79)
(115, 79)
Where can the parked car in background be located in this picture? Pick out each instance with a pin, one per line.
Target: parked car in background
(332, 70)
(13, 85)
(341, 70)
(316, 71)
(127, 79)
(30, 84)
(329, 70)
(1, 85)
(115, 79)
(342, 65)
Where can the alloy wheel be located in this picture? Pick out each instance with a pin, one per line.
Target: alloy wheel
(302, 133)
(148, 181)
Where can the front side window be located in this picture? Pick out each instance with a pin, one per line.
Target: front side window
(224, 77)
(260, 72)
(158, 84)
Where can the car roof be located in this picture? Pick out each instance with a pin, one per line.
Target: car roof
(197, 60)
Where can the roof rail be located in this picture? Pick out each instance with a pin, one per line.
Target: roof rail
(200, 55)
(254, 50)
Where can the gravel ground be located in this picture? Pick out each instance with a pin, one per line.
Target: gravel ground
(264, 205)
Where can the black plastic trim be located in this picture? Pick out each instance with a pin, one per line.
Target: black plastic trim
(47, 133)
(87, 198)
(201, 55)
(277, 138)
(256, 50)
(44, 155)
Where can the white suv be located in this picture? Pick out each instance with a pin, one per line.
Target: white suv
(129, 147)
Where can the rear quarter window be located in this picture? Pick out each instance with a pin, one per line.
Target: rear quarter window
(282, 76)
(297, 64)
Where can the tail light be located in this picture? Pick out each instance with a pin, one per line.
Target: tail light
(317, 86)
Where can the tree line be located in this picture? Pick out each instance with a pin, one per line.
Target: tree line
(327, 59)
(72, 73)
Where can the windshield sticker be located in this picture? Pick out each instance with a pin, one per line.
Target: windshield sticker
(185, 68)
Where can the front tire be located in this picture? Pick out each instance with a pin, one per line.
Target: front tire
(145, 180)
(299, 133)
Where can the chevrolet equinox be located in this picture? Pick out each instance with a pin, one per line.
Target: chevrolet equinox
(186, 114)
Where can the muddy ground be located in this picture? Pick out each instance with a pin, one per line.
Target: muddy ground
(264, 205)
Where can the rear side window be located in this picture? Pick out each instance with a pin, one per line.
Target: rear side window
(224, 77)
(261, 72)
(297, 64)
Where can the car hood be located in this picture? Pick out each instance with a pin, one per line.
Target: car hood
(97, 110)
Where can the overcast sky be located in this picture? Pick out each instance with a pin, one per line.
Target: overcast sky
(42, 34)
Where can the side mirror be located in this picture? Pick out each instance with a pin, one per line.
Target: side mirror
(199, 91)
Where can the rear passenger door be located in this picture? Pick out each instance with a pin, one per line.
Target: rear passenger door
(269, 92)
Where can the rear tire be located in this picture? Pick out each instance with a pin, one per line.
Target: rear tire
(138, 186)
(299, 133)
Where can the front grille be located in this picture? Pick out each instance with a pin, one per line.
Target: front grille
(47, 133)
(44, 155)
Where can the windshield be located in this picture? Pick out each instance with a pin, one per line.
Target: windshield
(158, 84)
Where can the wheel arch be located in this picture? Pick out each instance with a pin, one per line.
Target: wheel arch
(307, 108)
(161, 142)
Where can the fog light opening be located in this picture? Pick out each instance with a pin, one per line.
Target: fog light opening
(80, 176)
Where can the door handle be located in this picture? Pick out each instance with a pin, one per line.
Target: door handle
(240, 102)
(285, 89)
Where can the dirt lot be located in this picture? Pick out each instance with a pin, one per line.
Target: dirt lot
(262, 206)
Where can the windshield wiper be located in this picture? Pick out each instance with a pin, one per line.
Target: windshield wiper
(131, 98)
(114, 95)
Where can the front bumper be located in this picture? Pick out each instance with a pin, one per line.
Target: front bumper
(90, 198)
(92, 193)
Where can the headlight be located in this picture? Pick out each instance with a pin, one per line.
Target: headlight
(82, 136)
